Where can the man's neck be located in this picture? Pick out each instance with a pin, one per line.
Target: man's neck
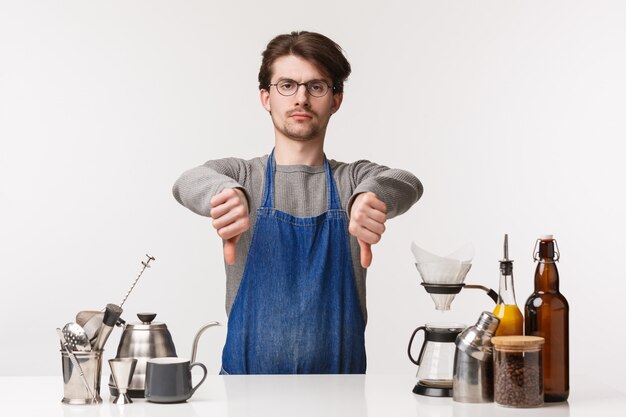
(292, 152)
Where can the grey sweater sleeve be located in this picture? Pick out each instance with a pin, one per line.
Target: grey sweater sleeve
(195, 187)
(397, 188)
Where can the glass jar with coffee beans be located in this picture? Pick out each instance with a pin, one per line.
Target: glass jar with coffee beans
(518, 371)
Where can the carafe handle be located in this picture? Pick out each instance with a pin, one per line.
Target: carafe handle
(419, 358)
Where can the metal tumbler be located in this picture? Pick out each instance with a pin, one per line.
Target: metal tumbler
(74, 389)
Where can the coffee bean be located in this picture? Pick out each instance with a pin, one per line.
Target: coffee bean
(518, 380)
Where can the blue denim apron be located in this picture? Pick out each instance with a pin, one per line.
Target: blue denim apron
(297, 309)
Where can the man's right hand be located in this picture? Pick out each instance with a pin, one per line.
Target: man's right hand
(230, 219)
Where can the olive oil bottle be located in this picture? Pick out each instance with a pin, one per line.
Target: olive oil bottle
(547, 315)
(511, 319)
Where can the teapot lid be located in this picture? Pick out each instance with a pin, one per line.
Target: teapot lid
(146, 322)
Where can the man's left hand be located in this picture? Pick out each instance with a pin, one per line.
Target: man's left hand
(367, 223)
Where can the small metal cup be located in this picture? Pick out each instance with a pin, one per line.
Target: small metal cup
(74, 389)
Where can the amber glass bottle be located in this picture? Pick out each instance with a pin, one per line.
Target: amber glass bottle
(547, 315)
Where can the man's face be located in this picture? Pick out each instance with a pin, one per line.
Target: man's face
(300, 117)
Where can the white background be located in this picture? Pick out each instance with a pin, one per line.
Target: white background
(512, 113)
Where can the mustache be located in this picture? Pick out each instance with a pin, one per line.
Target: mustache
(302, 111)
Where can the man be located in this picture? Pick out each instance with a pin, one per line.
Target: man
(295, 261)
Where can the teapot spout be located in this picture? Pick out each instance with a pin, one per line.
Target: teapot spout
(197, 338)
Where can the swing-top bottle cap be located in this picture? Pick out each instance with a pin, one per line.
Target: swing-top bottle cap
(546, 247)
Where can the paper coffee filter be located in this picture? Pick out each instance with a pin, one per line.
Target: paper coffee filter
(443, 272)
(463, 255)
(451, 269)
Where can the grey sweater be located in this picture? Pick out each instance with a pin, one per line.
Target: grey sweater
(300, 190)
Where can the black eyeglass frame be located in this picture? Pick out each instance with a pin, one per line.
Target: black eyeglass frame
(306, 86)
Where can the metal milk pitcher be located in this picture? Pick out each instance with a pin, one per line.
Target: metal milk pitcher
(472, 381)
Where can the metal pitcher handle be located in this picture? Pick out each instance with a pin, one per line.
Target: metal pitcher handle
(197, 338)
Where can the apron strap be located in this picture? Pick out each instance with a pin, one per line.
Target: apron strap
(331, 188)
(268, 189)
(332, 196)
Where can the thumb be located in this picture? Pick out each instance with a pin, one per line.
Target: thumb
(230, 246)
(366, 254)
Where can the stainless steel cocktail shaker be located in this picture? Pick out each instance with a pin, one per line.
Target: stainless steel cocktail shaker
(472, 381)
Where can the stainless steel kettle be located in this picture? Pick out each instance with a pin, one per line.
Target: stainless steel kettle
(146, 340)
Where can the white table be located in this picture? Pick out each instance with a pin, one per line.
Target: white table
(294, 396)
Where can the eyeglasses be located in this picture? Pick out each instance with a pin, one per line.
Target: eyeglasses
(316, 88)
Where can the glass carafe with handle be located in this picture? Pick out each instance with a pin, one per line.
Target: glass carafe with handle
(436, 358)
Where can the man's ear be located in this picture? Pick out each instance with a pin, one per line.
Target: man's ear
(264, 95)
(337, 99)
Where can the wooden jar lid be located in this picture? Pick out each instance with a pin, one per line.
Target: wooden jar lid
(518, 341)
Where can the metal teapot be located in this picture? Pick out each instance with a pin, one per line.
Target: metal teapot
(146, 340)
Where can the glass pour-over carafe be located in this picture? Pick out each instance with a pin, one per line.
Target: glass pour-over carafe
(436, 358)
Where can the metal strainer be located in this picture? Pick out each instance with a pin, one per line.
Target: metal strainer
(76, 338)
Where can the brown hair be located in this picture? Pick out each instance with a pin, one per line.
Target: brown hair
(314, 47)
